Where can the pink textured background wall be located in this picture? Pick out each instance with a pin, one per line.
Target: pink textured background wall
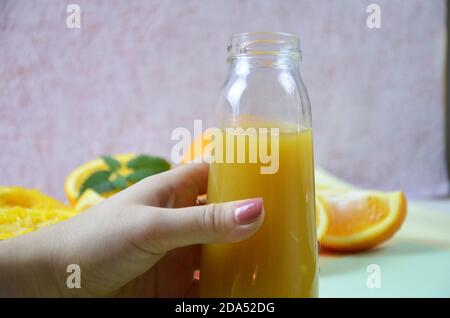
(137, 69)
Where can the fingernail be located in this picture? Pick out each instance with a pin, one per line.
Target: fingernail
(247, 211)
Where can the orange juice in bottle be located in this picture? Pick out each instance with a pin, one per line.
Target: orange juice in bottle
(264, 91)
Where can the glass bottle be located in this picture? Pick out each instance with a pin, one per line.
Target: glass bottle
(265, 97)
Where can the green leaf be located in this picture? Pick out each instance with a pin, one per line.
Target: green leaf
(98, 181)
(120, 182)
(140, 174)
(112, 163)
(144, 162)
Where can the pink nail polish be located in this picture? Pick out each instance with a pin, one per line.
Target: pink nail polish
(247, 211)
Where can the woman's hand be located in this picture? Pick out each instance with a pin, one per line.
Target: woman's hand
(141, 242)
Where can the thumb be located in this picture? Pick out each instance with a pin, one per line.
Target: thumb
(212, 223)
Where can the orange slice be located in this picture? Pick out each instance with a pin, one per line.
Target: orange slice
(361, 219)
(76, 178)
(322, 221)
(87, 200)
(197, 147)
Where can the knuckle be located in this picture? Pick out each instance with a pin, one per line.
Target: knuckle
(212, 219)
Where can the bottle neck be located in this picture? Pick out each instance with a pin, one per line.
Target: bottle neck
(243, 65)
(264, 49)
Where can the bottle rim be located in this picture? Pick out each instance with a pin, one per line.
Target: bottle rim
(263, 44)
